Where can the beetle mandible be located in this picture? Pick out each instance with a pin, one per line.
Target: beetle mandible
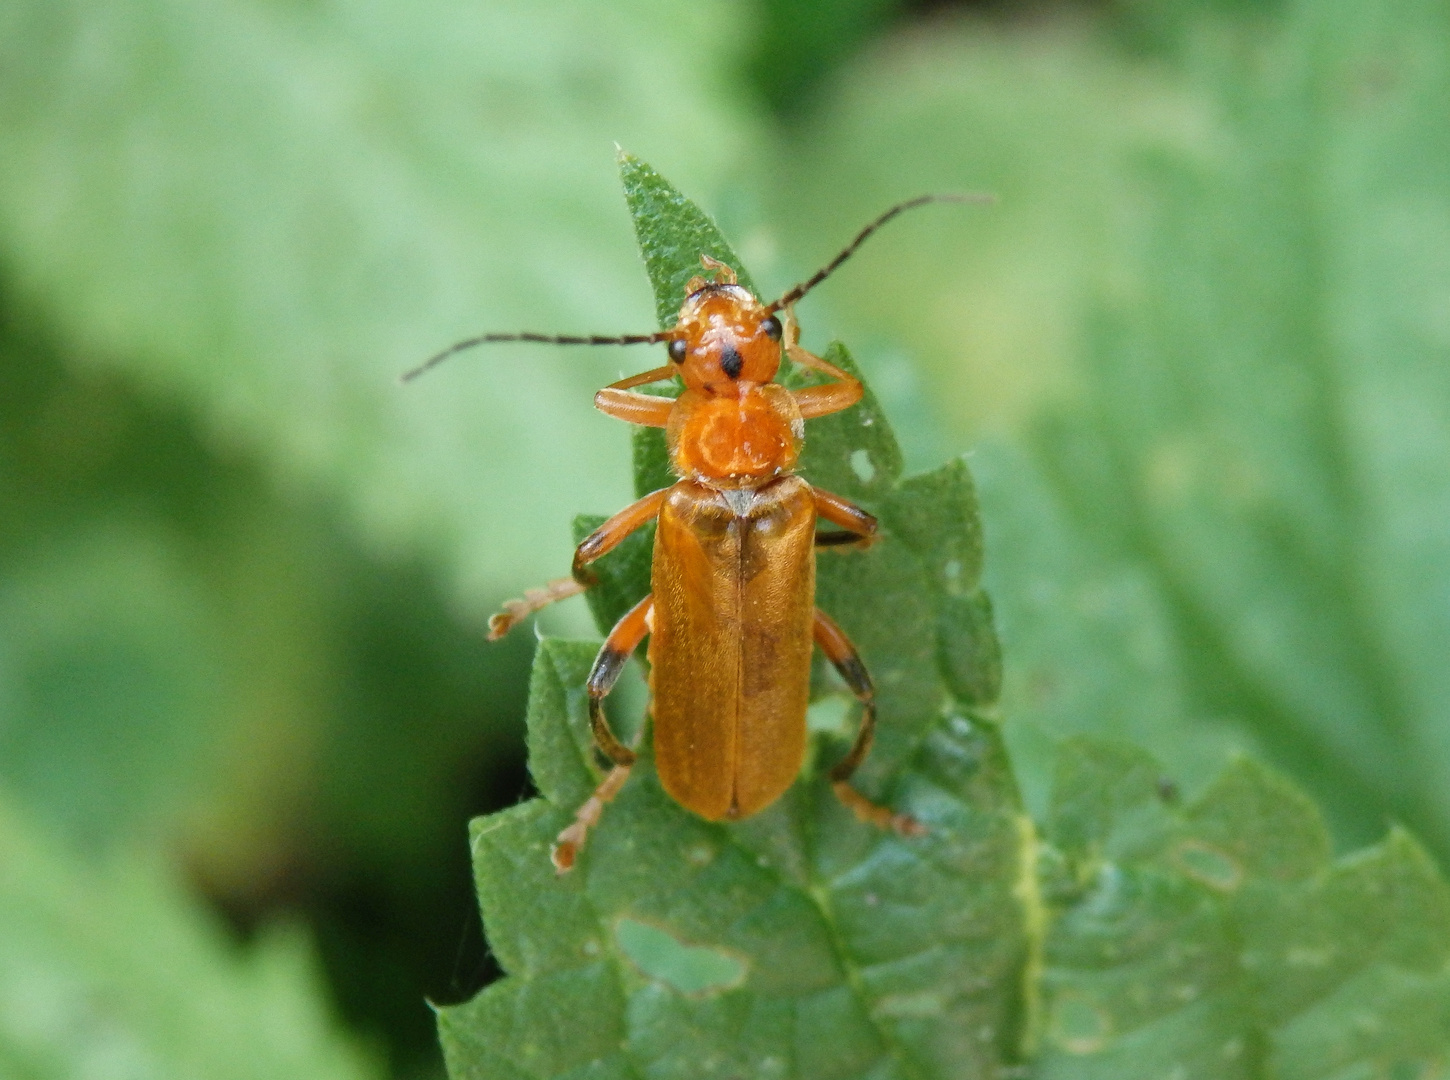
(731, 614)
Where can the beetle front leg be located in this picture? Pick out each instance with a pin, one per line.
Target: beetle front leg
(847, 661)
(620, 400)
(596, 545)
(617, 649)
(844, 389)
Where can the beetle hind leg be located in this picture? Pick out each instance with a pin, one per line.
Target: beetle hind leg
(617, 649)
(847, 661)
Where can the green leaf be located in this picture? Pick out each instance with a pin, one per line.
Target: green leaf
(1267, 411)
(1090, 634)
(114, 972)
(688, 969)
(799, 942)
(1219, 940)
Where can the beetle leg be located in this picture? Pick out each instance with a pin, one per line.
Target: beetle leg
(617, 649)
(596, 545)
(613, 532)
(621, 402)
(839, 539)
(843, 655)
(860, 526)
(826, 398)
(844, 389)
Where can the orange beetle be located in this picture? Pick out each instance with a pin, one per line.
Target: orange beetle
(731, 615)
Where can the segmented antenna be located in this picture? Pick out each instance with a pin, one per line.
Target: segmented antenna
(547, 339)
(850, 249)
(669, 335)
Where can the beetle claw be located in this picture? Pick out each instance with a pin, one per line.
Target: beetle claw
(906, 825)
(564, 852)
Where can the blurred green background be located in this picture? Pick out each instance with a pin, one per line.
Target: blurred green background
(1199, 353)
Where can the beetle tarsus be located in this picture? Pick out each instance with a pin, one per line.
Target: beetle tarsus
(571, 840)
(872, 813)
(516, 611)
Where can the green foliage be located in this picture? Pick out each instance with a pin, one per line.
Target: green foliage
(1198, 346)
(1137, 939)
(164, 609)
(1267, 416)
(850, 949)
(116, 972)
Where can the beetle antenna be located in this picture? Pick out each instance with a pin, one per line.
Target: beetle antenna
(547, 339)
(850, 249)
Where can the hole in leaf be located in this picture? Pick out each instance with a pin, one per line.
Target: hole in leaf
(1209, 865)
(1079, 1026)
(690, 969)
(863, 466)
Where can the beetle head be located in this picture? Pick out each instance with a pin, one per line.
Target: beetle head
(724, 336)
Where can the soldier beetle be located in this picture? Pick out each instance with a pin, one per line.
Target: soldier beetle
(731, 615)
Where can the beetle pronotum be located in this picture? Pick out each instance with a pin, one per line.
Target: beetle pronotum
(731, 615)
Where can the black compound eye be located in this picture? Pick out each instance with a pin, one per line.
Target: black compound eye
(678, 349)
(770, 326)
